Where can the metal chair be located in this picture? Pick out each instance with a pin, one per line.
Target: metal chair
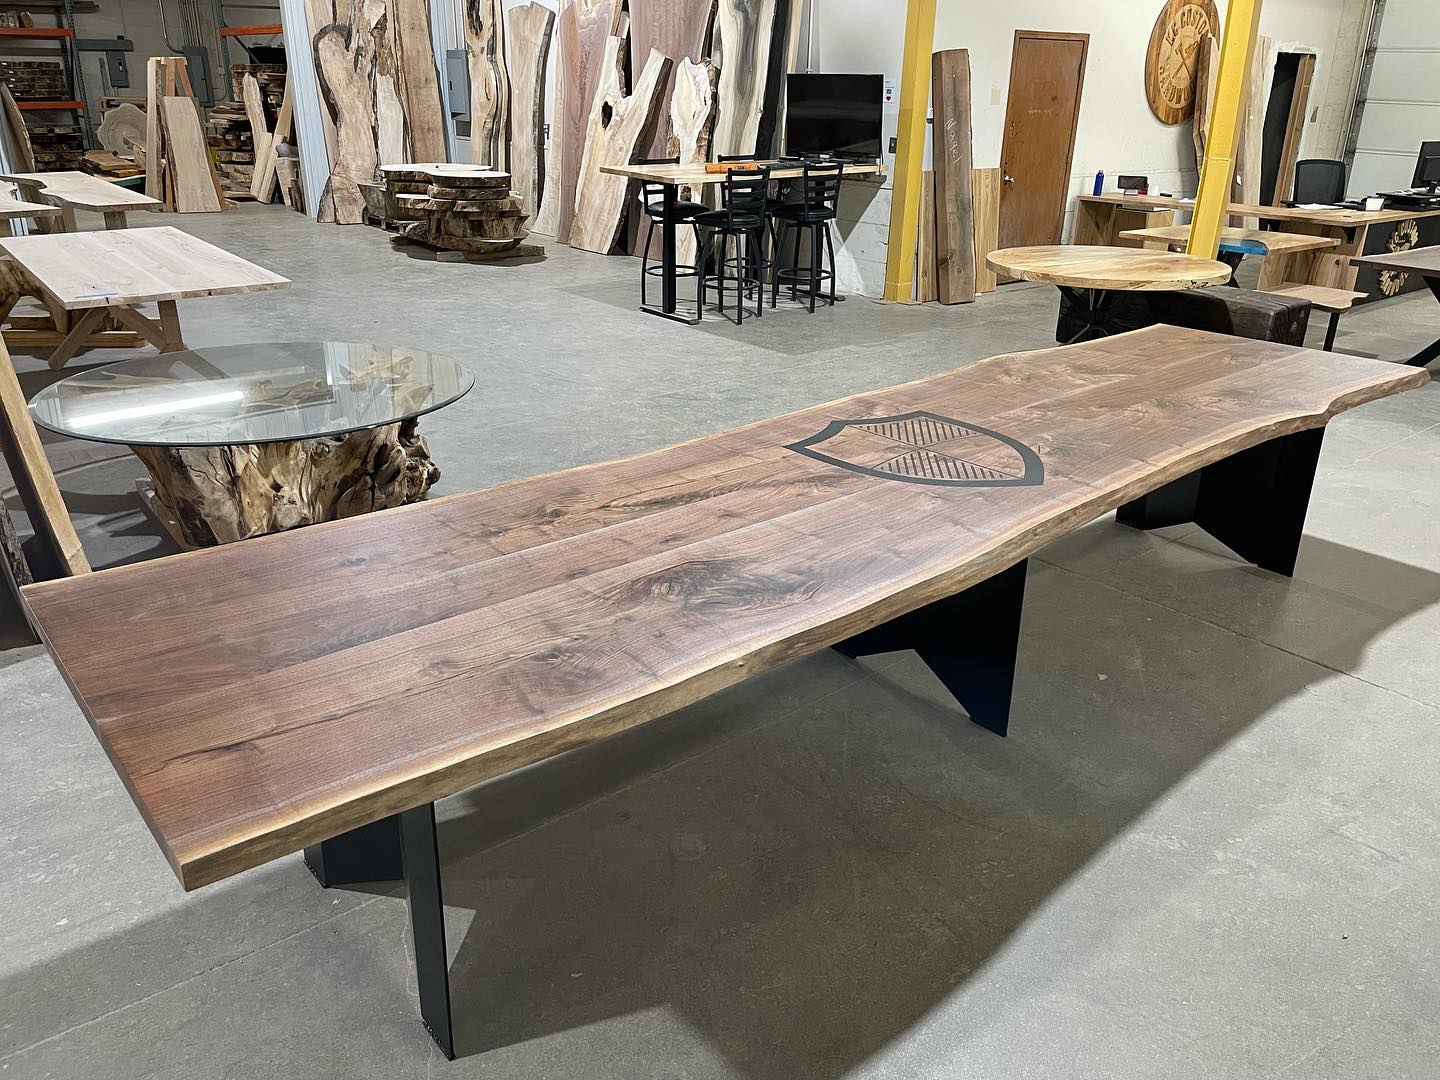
(652, 202)
(819, 193)
(744, 197)
(1319, 180)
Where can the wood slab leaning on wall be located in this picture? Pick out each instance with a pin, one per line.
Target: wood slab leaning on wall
(617, 123)
(586, 26)
(954, 210)
(489, 84)
(531, 27)
(742, 53)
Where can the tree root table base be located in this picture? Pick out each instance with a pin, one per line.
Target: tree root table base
(210, 495)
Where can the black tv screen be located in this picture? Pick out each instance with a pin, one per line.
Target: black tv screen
(833, 114)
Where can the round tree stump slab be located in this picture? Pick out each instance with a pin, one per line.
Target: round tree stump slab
(210, 495)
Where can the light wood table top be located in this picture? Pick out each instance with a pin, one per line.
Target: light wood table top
(316, 680)
(694, 175)
(1340, 217)
(1239, 239)
(120, 267)
(82, 191)
(1110, 268)
(12, 208)
(1424, 261)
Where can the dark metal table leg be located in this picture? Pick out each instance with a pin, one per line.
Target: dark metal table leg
(427, 920)
(369, 853)
(666, 310)
(968, 640)
(1253, 502)
(1424, 357)
(1096, 305)
(402, 846)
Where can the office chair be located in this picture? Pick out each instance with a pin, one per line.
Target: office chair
(1319, 180)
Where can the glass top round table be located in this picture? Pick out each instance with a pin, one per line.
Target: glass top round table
(251, 394)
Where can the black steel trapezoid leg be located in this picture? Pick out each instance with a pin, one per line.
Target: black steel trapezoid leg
(968, 640)
(369, 853)
(427, 921)
(1253, 502)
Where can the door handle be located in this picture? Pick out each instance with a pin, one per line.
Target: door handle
(1008, 178)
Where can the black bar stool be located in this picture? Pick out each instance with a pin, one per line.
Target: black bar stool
(652, 201)
(819, 191)
(742, 217)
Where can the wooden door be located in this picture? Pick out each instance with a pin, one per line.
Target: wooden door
(1047, 73)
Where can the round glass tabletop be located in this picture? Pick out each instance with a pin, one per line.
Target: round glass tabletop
(234, 394)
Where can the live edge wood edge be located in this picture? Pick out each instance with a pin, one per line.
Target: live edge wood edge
(305, 823)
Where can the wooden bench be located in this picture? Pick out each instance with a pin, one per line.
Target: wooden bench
(1336, 301)
(336, 680)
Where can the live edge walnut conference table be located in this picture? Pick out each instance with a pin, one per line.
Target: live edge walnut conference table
(322, 687)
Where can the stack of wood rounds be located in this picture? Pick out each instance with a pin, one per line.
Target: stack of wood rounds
(460, 208)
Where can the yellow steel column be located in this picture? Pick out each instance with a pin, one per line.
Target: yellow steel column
(1218, 170)
(910, 149)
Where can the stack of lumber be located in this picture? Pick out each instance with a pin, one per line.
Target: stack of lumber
(229, 131)
(467, 209)
(178, 167)
(109, 165)
(53, 136)
(35, 80)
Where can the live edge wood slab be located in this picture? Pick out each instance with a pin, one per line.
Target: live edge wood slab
(326, 678)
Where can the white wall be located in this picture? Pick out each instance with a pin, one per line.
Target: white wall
(1117, 132)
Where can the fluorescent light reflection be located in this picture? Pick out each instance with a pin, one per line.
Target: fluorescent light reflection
(160, 408)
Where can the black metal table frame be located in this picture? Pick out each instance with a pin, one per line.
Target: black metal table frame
(668, 280)
(1426, 355)
(1254, 502)
(1094, 306)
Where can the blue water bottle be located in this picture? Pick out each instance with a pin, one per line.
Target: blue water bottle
(1099, 181)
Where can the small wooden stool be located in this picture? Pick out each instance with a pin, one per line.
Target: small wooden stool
(1335, 301)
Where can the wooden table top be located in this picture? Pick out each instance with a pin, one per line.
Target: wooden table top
(1240, 239)
(1424, 261)
(116, 267)
(11, 208)
(85, 192)
(1276, 213)
(694, 175)
(1129, 269)
(262, 696)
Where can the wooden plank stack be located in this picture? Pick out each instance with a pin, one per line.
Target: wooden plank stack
(466, 209)
(56, 140)
(228, 131)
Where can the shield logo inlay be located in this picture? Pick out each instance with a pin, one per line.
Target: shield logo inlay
(925, 448)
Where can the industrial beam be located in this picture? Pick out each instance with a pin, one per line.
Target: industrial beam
(1218, 170)
(910, 149)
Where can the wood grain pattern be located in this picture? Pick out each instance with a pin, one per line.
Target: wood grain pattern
(254, 101)
(692, 117)
(1250, 139)
(925, 271)
(81, 191)
(985, 204)
(153, 155)
(1170, 82)
(417, 80)
(489, 84)
(132, 266)
(585, 28)
(677, 29)
(530, 30)
(30, 471)
(1329, 218)
(1129, 269)
(342, 673)
(186, 157)
(618, 121)
(698, 175)
(742, 53)
(1321, 297)
(1177, 236)
(344, 61)
(11, 208)
(19, 132)
(262, 185)
(1207, 67)
(954, 207)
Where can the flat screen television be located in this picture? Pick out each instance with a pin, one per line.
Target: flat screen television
(833, 115)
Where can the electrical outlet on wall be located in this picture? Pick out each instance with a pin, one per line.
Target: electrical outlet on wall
(894, 144)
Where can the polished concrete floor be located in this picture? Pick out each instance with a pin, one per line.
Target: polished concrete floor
(1209, 847)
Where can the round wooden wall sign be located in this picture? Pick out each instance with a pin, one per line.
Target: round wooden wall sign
(1170, 60)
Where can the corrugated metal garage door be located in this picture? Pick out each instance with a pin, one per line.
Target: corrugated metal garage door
(1402, 103)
